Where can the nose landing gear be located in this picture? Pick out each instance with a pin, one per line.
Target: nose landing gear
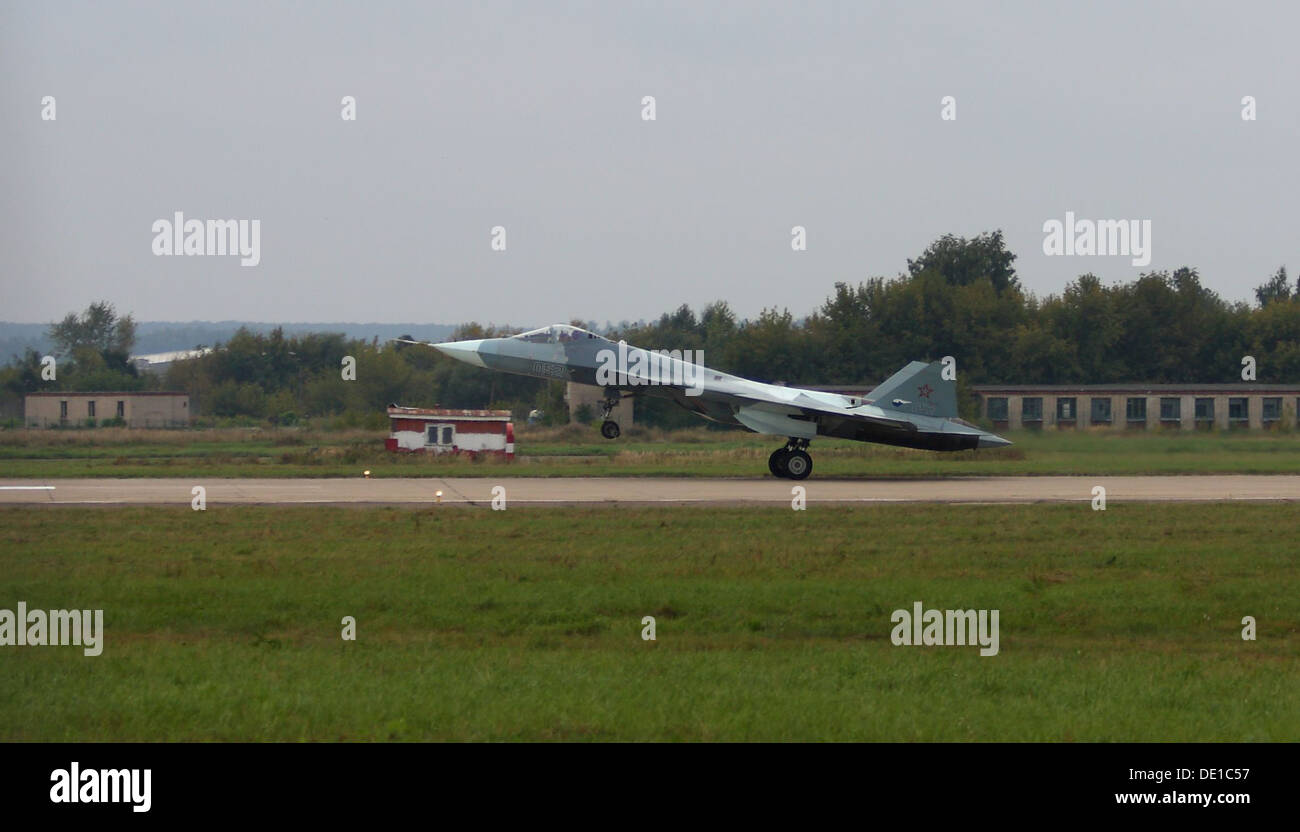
(791, 462)
(608, 427)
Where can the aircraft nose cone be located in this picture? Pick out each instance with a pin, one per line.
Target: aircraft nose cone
(988, 440)
(467, 351)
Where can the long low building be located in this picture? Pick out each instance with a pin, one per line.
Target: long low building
(1130, 406)
(1140, 406)
(157, 363)
(136, 409)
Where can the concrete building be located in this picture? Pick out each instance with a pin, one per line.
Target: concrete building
(1112, 406)
(138, 409)
(1139, 406)
(158, 362)
(441, 431)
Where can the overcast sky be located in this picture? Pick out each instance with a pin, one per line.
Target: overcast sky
(529, 116)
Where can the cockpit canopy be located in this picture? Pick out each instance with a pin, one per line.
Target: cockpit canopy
(556, 334)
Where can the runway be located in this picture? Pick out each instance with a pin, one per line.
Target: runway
(556, 491)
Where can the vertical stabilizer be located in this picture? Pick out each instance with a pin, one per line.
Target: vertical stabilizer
(918, 388)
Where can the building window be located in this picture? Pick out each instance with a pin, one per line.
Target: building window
(121, 410)
(1272, 409)
(90, 409)
(1031, 409)
(442, 435)
(997, 409)
(1238, 410)
(1171, 409)
(1100, 412)
(1135, 410)
(1066, 410)
(1205, 411)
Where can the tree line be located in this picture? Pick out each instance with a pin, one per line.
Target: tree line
(960, 297)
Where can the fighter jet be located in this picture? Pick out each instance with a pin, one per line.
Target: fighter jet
(916, 407)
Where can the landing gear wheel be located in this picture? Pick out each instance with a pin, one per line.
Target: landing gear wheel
(776, 462)
(798, 465)
(609, 429)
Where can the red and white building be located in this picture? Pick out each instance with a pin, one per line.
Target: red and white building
(451, 431)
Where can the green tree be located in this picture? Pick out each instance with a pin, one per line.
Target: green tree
(98, 328)
(1277, 288)
(962, 261)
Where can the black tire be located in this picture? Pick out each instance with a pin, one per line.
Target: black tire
(798, 465)
(776, 462)
(609, 429)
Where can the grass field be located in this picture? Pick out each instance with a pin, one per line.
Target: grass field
(578, 451)
(772, 624)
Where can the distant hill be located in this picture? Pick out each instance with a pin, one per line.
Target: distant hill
(165, 336)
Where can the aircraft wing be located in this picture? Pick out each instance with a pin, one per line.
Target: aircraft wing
(915, 400)
(799, 414)
(915, 408)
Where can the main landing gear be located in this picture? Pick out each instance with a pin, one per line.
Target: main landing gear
(608, 427)
(791, 462)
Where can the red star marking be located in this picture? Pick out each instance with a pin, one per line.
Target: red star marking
(924, 391)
